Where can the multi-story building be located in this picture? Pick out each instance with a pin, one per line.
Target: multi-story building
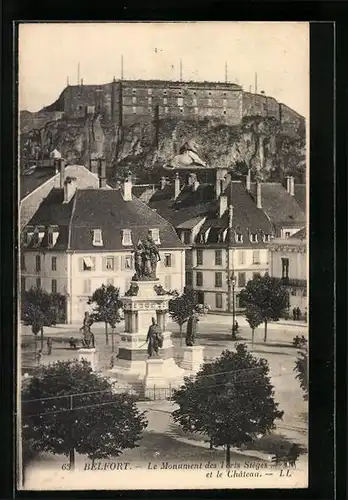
(288, 262)
(123, 102)
(227, 227)
(81, 238)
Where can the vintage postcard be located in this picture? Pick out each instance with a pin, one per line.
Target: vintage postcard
(163, 225)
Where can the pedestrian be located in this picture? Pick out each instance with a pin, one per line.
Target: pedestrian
(294, 313)
(298, 314)
(39, 354)
(49, 346)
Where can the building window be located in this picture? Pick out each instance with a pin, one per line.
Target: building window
(218, 257)
(209, 102)
(154, 233)
(134, 91)
(285, 268)
(253, 238)
(256, 275)
(194, 92)
(86, 286)
(241, 257)
(199, 257)
(38, 263)
(54, 286)
(168, 260)
(128, 262)
(180, 101)
(209, 93)
(23, 284)
(54, 264)
(149, 91)
(196, 111)
(187, 237)
(225, 112)
(181, 110)
(241, 280)
(165, 100)
(239, 238)
(87, 264)
(166, 110)
(287, 234)
(110, 281)
(188, 278)
(134, 100)
(199, 278)
(266, 238)
(23, 262)
(127, 237)
(188, 258)
(218, 280)
(256, 257)
(218, 300)
(149, 100)
(134, 110)
(110, 263)
(97, 238)
(167, 282)
(38, 282)
(50, 238)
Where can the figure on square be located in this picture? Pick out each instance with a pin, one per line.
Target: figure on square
(154, 339)
(88, 336)
(146, 256)
(192, 329)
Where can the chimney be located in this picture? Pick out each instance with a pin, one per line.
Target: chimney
(70, 185)
(61, 166)
(102, 172)
(248, 180)
(230, 216)
(163, 182)
(222, 205)
(127, 188)
(258, 194)
(93, 166)
(220, 180)
(290, 185)
(176, 186)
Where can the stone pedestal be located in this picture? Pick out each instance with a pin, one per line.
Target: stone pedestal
(88, 354)
(193, 358)
(139, 309)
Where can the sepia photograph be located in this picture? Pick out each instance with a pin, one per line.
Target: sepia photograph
(163, 190)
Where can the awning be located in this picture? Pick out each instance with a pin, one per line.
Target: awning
(88, 261)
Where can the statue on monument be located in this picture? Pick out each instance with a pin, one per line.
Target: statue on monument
(192, 329)
(154, 339)
(146, 256)
(88, 336)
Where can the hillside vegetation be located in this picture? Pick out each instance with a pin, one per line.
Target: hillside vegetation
(258, 143)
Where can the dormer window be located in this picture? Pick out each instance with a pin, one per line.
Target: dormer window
(97, 238)
(50, 238)
(253, 238)
(206, 234)
(154, 233)
(239, 238)
(127, 237)
(266, 238)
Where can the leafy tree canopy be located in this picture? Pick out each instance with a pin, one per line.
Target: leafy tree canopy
(51, 426)
(301, 364)
(231, 400)
(40, 308)
(181, 307)
(107, 304)
(253, 316)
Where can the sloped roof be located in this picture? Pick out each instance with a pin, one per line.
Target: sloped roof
(33, 179)
(300, 235)
(103, 209)
(280, 206)
(301, 195)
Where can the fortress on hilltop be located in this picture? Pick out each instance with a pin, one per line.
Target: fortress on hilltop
(124, 102)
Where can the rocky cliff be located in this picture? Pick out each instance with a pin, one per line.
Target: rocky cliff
(259, 143)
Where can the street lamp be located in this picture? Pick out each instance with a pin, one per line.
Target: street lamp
(233, 283)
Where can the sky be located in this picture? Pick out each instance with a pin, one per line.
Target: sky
(278, 52)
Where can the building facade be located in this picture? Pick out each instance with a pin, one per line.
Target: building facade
(288, 262)
(79, 239)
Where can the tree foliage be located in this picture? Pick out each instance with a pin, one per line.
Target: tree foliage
(231, 400)
(268, 295)
(182, 306)
(65, 415)
(107, 306)
(301, 364)
(40, 308)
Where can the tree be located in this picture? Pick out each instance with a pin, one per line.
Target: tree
(181, 308)
(107, 306)
(231, 400)
(254, 318)
(268, 294)
(39, 309)
(62, 406)
(301, 364)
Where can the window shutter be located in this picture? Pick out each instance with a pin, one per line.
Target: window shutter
(173, 259)
(116, 262)
(81, 264)
(93, 260)
(122, 262)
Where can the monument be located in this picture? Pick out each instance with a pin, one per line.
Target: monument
(87, 351)
(193, 354)
(145, 357)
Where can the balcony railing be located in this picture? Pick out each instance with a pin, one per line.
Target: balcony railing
(300, 283)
